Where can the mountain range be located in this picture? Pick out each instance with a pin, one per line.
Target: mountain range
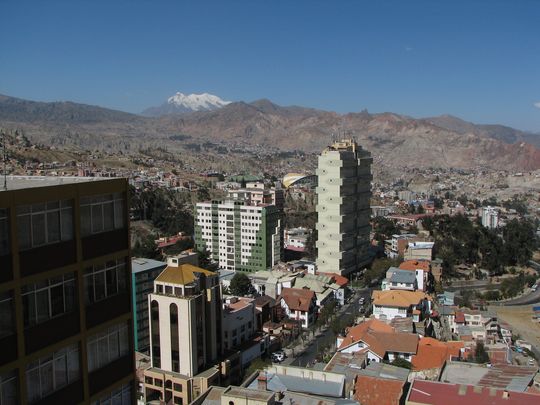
(185, 103)
(395, 140)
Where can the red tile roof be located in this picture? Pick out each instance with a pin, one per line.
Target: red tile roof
(381, 338)
(298, 299)
(433, 353)
(415, 264)
(437, 393)
(378, 391)
(460, 317)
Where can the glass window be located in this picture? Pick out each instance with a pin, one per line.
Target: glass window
(4, 232)
(105, 280)
(52, 372)
(48, 299)
(105, 347)
(43, 224)
(8, 388)
(102, 213)
(119, 396)
(7, 326)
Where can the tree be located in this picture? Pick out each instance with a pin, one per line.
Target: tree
(145, 247)
(399, 362)
(241, 285)
(311, 250)
(480, 354)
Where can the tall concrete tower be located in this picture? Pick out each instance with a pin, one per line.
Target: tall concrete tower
(343, 196)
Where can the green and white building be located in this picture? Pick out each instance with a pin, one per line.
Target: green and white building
(240, 237)
(343, 209)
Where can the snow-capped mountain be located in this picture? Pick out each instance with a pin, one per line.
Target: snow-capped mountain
(183, 103)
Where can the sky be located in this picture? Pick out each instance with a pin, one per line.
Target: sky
(478, 60)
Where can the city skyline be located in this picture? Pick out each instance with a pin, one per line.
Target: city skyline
(412, 59)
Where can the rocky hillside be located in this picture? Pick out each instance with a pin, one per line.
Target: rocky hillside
(396, 141)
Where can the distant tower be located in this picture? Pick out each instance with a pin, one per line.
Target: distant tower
(343, 207)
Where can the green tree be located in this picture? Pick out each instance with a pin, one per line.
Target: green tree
(399, 362)
(240, 285)
(480, 354)
(145, 247)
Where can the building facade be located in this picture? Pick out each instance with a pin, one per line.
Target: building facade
(239, 237)
(343, 208)
(65, 297)
(185, 335)
(143, 274)
(490, 217)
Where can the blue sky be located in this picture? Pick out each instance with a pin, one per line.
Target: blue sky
(479, 60)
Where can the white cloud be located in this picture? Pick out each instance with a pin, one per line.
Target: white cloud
(537, 104)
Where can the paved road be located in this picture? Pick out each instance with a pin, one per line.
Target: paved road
(531, 298)
(310, 352)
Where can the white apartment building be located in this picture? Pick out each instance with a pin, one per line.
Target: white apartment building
(490, 217)
(239, 236)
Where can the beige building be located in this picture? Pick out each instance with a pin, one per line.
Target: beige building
(185, 335)
(343, 193)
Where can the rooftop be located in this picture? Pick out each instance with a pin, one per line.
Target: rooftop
(298, 298)
(387, 371)
(501, 376)
(301, 380)
(433, 353)
(436, 393)
(24, 182)
(413, 265)
(183, 274)
(397, 298)
(401, 276)
(378, 391)
(140, 265)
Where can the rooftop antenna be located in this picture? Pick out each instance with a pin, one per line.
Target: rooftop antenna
(4, 158)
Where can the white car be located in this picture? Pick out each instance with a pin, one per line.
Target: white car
(278, 357)
(361, 301)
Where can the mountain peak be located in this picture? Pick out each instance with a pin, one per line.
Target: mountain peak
(184, 103)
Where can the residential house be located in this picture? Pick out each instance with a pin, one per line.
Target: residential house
(379, 340)
(396, 303)
(432, 355)
(397, 279)
(299, 304)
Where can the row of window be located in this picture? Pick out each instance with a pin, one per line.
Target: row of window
(52, 222)
(107, 346)
(48, 299)
(52, 372)
(54, 297)
(120, 396)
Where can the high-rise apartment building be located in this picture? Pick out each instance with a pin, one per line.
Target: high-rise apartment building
(185, 334)
(343, 209)
(65, 295)
(239, 236)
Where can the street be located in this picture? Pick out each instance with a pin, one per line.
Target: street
(325, 336)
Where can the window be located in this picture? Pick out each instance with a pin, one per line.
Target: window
(52, 372)
(4, 232)
(102, 213)
(107, 346)
(48, 299)
(44, 223)
(8, 388)
(7, 326)
(105, 280)
(120, 396)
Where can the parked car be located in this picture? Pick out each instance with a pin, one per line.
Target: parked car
(278, 356)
